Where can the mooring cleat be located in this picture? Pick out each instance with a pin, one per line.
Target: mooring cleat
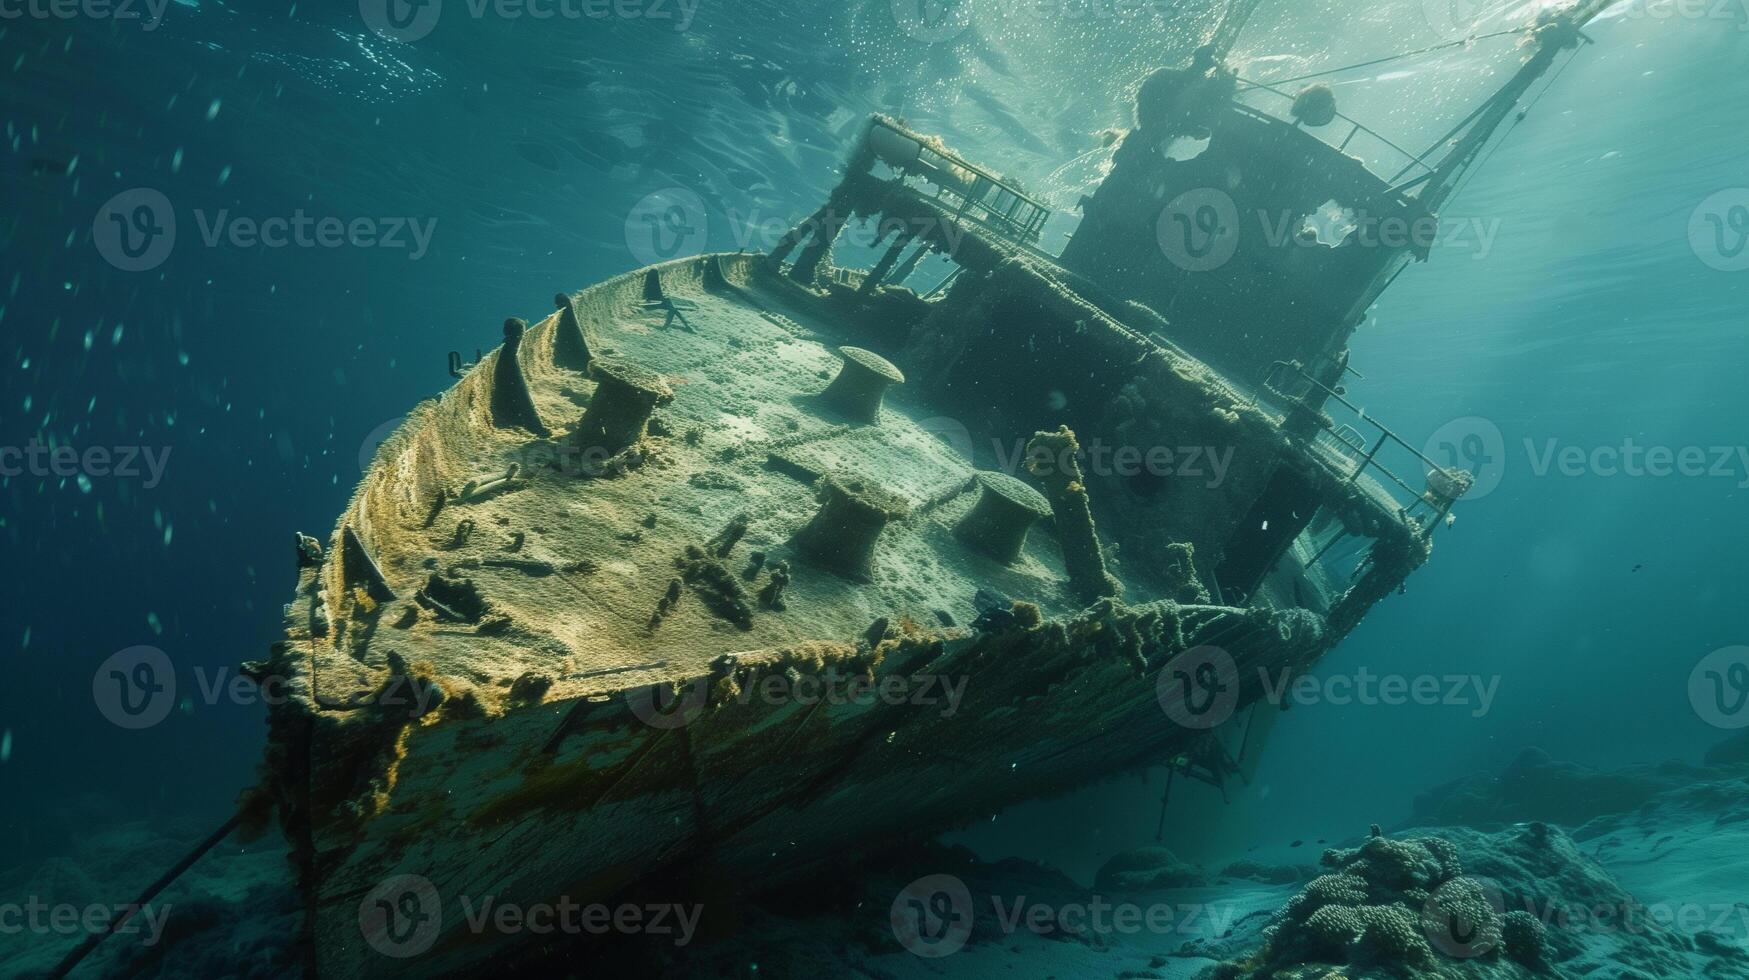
(843, 534)
(997, 525)
(861, 384)
(625, 396)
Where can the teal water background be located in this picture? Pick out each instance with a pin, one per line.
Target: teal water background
(529, 144)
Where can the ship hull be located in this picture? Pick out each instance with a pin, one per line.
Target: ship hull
(569, 745)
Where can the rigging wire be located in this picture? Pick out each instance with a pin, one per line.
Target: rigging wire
(1469, 178)
(1464, 42)
(96, 937)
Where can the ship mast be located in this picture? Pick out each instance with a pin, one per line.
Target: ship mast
(1552, 37)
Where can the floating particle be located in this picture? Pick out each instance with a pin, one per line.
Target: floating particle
(212, 111)
(224, 175)
(115, 335)
(26, 642)
(87, 340)
(152, 621)
(169, 529)
(176, 161)
(6, 747)
(84, 483)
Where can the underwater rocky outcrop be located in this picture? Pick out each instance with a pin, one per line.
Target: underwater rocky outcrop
(1535, 786)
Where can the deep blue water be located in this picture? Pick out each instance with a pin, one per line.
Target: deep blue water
(525, 146)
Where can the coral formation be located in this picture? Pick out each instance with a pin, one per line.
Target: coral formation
(1524, 938)
(1378, 907)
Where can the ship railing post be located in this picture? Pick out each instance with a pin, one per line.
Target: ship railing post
(1370, 456)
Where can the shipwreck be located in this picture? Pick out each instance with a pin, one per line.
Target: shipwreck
(553, 646)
